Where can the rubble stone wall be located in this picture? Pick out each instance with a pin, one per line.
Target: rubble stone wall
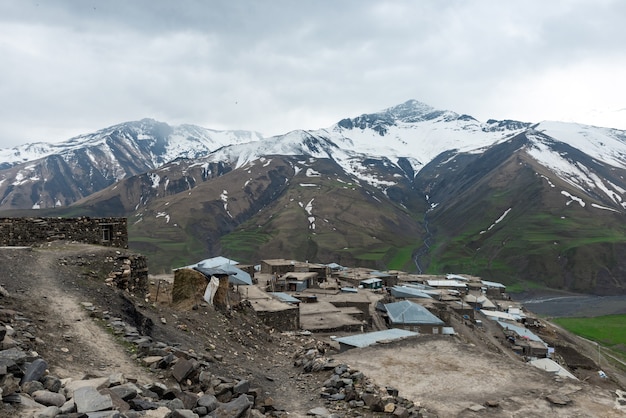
(110, 232)
(284, 320)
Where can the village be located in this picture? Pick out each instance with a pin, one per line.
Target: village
(358, 307)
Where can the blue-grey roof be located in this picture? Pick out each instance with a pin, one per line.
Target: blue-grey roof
(211, 263)
(408, 292)
(235, 275)
(521, 331)
(407, 312)
(335, 266)
(369, 338)
(285, 297)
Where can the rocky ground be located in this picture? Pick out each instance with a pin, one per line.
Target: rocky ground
(75, 345)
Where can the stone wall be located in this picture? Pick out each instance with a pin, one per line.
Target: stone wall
(110, 232)
(282, 320)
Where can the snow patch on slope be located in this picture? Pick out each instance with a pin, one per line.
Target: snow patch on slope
(497, 221)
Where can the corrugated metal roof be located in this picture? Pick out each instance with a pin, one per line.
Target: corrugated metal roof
(369, 338)
(407, 312)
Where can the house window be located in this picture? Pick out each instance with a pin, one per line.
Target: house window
(107, 232)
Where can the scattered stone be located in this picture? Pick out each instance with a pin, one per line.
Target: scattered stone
(235, 408)
(319, 412)
(88, 399)
(34, 371)
(558, 399)
(390, 408)
(48, 398)
(476, 408)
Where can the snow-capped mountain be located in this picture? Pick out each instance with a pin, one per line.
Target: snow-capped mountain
(50, 175)
(409, 187)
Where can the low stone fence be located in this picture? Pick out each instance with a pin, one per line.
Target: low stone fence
(110, 232)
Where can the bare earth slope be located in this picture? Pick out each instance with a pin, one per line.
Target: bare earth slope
(49, 286)
(449, 376)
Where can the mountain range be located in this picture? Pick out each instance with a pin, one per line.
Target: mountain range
(410, 187)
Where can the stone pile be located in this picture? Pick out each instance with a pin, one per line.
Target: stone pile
(349, 391)
(27, 386)
(128, 272)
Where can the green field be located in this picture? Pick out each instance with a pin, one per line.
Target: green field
(609, 331)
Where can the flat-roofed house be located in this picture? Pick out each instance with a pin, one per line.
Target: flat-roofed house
(277, 266)
(372, 283)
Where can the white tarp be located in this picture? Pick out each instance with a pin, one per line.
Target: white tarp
(211, 289)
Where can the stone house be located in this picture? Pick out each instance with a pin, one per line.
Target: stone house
(277, 267)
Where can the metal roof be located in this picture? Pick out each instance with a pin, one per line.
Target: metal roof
(445, 283)
(407, 312)
(370, 281)
(408, 292)
(493, 284)
(235, 275)
(498, 314)
(456, 277)
(285, 297)
(211, 263)
(521, 331)
(369, 338)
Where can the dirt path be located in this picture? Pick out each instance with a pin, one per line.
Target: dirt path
(75, 344)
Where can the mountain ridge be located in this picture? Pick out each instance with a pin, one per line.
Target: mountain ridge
(493, 197)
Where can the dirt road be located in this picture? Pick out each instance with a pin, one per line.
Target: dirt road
(75, 344)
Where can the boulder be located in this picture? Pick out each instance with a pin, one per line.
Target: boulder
(47, 398)
(236, 408)
(88, 399)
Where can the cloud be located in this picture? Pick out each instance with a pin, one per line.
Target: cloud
(74, 67)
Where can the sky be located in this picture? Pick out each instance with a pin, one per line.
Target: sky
(70, 67)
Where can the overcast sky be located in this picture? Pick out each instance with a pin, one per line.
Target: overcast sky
(72, 67)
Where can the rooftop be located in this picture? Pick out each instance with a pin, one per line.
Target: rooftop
(369, 338)
(407, 312)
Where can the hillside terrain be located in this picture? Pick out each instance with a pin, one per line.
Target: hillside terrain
(64, 310)
(410, 187)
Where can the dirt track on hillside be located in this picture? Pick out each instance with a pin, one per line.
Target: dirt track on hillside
(74, 344)
(49, 285)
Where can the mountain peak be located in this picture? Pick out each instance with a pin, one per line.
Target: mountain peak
(410, 108)
(411, 111)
